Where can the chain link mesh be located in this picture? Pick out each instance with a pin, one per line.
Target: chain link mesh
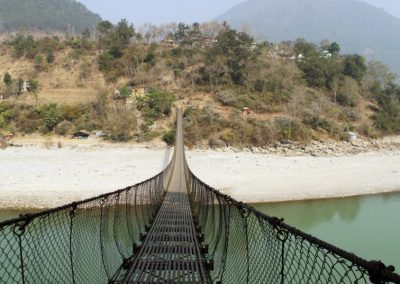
(85, 242)
(247, 246)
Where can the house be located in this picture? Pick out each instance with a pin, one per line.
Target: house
(98, 133)
(247, 111)
(300, 57)
(352, 136)
(82, 134)
(25, 87)
(325, 54)
(140, 91)
(8, 136)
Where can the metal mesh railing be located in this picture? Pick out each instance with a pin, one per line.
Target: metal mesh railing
(83, 242)
(247, 246)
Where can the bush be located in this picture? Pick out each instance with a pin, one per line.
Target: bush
(159, 104)
(120, 126)
(39, 62)
(51, 117)
(50, 57)
(291, 129)
(64, 128)
(7, 79)
(226, 98)
(169, 137)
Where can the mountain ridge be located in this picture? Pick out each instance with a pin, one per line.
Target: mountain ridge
(358, 26)
(46, 15)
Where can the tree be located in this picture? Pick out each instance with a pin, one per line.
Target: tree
(104, 28)
(388, 117)
(50, 57)
(354, 66)
(124, 33)
(33, 86)
(195, 35)
(51, 116)
(334, 48)
(86, 35)
(378, 74)
(315, 70)
(307, 49)
(181, 35)
(159, 104)
(7, 79)
(236, 46)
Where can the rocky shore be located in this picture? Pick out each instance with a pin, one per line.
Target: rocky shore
(318, 148)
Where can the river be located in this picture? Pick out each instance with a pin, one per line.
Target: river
(368, 226)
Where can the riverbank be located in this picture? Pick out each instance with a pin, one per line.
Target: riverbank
(42, 175)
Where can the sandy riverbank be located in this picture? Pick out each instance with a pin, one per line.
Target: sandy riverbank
(38, 177)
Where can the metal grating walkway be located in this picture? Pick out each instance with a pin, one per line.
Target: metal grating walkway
(170, 252)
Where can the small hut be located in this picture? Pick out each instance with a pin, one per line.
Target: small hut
(82, 134)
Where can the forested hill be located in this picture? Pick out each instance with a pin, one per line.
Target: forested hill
(47, 15)
(357, 26)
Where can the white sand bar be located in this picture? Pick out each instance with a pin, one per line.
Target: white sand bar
(256, 178)
(36, 177)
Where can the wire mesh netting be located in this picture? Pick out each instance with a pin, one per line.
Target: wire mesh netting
(247, 246)
(84, 242)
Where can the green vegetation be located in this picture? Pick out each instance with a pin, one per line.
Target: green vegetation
(236, 91)
(47, 15)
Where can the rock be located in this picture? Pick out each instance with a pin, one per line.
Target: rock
(216, 143)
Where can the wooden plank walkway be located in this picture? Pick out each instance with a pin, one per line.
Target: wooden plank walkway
(171, 251)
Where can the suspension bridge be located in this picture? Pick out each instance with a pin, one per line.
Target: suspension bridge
(172, 228)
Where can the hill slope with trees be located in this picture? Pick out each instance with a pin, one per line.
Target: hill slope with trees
(235, 91)
(357, 26)
(46, 15)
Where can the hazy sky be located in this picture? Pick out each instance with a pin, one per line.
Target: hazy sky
(189, 11)
(160, 11)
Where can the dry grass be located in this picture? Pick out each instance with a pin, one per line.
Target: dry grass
(57, 83)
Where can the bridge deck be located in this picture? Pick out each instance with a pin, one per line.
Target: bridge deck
(170, 252)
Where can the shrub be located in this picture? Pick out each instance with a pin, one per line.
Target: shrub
(291, 129)
(160, 104)
(50, 57)
(7, 79)
(64, 128)
(50, 113)
(169, 137)
(121, 125)
(226, 98)
(39, 62)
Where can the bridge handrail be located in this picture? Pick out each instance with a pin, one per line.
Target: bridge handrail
(376, 270)
(99, 234)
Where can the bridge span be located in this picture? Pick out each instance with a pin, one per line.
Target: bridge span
(172, 228)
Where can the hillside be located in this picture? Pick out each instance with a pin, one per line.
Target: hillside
(357, 26)
(235, 92)
(46, 15)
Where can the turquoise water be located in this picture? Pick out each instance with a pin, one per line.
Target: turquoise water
(367, 226)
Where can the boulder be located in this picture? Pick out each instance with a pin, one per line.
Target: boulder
(216, 143)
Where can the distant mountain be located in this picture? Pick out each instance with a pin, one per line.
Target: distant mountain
(47, 15)
(357, 26)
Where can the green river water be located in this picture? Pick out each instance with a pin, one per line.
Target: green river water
(367, 226)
